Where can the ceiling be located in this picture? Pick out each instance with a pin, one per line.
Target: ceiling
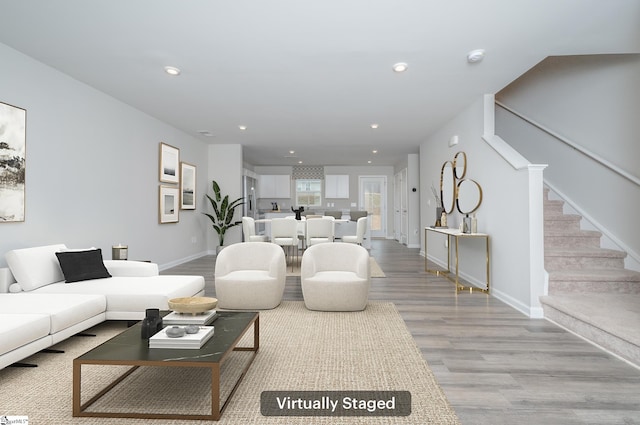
(310, 76)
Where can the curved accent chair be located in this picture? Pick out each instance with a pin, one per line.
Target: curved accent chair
(361, 229)
(319, 230)
(249, 231)
(250, 276)
(335, 277)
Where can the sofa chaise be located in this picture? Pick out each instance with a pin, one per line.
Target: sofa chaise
(38, 308)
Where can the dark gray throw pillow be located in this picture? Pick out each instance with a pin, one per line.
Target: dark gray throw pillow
(82, 265)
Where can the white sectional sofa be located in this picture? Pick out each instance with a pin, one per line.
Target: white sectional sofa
(39, 309)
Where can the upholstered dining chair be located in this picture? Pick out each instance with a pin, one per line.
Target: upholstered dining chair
(319, 230)
(335, 277)
(361, 229)
(284, 232)
(250, 276)
(249, 231)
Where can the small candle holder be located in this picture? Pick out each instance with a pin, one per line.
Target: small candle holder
(119, 252)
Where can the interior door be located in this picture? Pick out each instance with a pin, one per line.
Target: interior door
(404, 215)
(373, 199)
(396, 207)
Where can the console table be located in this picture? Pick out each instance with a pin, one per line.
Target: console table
(456, 235)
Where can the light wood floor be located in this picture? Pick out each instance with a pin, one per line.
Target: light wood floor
(496, 366)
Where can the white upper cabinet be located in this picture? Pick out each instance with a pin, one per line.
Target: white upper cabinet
(275, 186)
(336, 186)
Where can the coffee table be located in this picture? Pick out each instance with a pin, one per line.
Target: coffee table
(129, 349)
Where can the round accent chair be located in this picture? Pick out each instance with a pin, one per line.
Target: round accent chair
(250, 276)
(335, 277)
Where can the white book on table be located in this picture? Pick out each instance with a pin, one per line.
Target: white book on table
(175, 318)
(188, 341)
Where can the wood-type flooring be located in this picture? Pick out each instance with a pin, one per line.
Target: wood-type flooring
(496, 365)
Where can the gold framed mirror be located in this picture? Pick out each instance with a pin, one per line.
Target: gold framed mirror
(447, 187)
(469, 196)
(460, 165)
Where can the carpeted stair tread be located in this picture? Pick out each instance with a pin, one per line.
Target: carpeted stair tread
(572, 232)
(584, 252)
(616, 314)
(596, 275)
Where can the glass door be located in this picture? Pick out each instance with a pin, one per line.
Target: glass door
(373, 199)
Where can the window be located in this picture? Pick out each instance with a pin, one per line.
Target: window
(309, 193)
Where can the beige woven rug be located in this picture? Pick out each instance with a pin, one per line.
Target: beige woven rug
(376, 271)
(299, 350)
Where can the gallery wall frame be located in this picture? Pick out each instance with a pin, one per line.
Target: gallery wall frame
(169, 163)
(187, 186)
(13, 143)
(168, 201)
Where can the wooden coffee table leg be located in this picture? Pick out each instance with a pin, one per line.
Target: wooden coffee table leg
(215, 391)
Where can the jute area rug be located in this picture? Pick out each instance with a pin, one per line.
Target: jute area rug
(374, 267)
(300, 350)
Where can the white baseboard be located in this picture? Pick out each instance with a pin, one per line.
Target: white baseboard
(180, 261)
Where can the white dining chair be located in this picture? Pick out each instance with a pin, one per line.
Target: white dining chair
(361, 229)
(319, 230)
(284, 232)
(249, 231)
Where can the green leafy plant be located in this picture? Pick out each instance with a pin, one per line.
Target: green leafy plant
(223, 211)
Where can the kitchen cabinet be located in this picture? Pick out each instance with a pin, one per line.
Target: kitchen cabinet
(336, 186)
(275, 186)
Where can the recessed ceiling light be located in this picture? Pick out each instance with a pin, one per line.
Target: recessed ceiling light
(400, 67)
(299, 162)
(292, 152)
(374, 126)
(369, 162)
(374, 151)
(172, 70)
(475, 55)
(242, 127)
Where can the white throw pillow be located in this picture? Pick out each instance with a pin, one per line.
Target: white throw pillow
(35, 267)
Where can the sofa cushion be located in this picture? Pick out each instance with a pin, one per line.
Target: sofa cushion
(82, 265)
(64, 310)
(132, 294)
(17, 330)
(35, 267)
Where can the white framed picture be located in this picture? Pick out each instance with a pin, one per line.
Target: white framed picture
(169, 163)
(168, 204)
(187, 186)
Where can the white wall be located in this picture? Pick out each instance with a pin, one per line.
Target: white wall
(226, 168)
(92, 174)
(593, 101)
(503, 214)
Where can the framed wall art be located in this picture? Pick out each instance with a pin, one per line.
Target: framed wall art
(13, 138)
(187, 186)
(168, 204)
(169, 163)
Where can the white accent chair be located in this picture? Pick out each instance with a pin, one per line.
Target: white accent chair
(319, 230)
(250, 276)
(335, 277)
(249, 231)
(284, 232)
(361, 229)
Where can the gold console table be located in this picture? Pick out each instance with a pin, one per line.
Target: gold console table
(456, 234)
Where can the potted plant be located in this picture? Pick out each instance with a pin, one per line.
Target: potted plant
(223, 211)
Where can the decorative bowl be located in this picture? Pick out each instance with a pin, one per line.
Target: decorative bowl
(193, 305)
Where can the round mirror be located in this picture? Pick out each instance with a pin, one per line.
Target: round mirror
(469, 196)
(447, 187)
(460, 165)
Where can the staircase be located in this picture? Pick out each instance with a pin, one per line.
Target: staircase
(590, 291)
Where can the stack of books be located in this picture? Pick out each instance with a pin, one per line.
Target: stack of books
(188, 341)
(175, 318)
